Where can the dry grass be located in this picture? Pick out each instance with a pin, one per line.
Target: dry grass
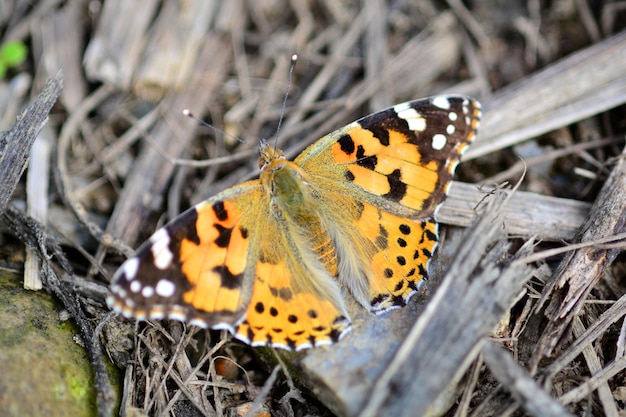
(126, 161)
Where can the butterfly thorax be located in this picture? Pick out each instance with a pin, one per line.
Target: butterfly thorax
(293, 204)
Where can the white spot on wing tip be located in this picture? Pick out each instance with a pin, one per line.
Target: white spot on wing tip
(442, 102)
(130, 268)
(160, 234)
(439, 141)
(415, 120)
(165, 288)
(147, 292)
(135, 286)
(161, 252)
(398, 108)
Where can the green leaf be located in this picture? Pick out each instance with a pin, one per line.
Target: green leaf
(13, 53)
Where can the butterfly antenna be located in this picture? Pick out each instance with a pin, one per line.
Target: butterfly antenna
(294, 58)
(188, 113)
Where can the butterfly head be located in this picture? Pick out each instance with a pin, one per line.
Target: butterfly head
(268, 154)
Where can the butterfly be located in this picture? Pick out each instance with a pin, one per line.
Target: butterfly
(272, 259)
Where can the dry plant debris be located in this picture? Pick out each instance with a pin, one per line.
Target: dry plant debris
(524, 315)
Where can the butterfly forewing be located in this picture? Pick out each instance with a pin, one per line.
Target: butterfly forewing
(194, 269)
(405, 154)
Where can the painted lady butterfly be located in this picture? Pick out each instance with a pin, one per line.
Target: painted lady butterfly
(268, 259)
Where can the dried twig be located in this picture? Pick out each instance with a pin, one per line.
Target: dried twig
(582, 269)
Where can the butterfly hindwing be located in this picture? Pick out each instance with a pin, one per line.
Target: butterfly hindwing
(402, 249)
(281, 316)
(296, 300)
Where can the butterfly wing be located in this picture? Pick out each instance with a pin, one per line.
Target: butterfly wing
(296, 302)
(228, 263)
(197, 268)
(394, 168)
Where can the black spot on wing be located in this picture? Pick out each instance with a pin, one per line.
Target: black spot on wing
(384, 121)
(397, 187)
(379, 299)
(335, 334)
(422, 271)
(249, 331)
(346, 144)
(405, 229)
(220, 211)
(398, 301)
(228, 279)
(381, 133)
(224, 234)
(365, 161)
